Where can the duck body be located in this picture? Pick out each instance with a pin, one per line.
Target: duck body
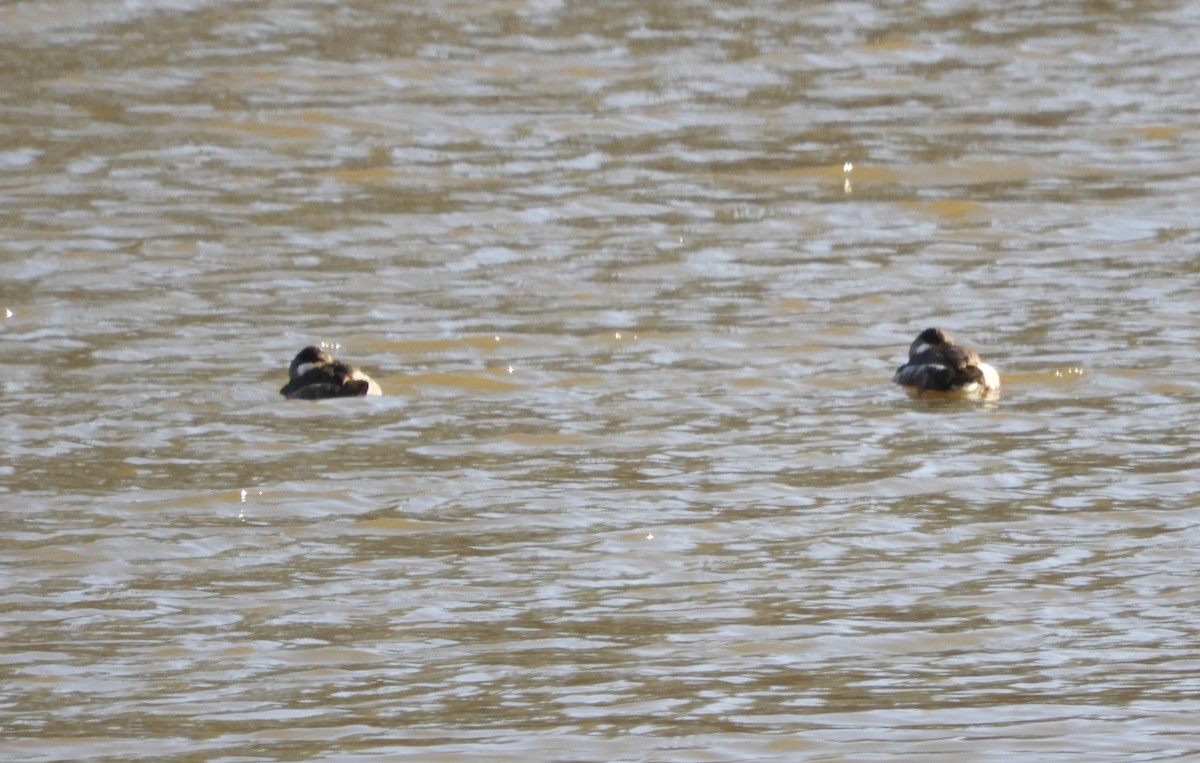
(936, 363)
(315, 375)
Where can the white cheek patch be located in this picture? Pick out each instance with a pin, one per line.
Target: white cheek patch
(303, 368)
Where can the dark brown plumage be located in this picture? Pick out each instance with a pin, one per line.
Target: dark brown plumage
(937, 363)
(315, 375)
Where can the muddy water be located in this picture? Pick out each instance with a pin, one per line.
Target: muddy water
(639, 488)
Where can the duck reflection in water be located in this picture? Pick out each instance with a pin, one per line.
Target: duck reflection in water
(936, 363)
(315, 375)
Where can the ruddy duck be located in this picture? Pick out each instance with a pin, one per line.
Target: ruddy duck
(936, 363)
(315, 375)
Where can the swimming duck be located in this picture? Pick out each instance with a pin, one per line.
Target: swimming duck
(315, 375)
(936, 363)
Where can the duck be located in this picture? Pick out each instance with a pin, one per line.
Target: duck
(936, 363)
(315, 375)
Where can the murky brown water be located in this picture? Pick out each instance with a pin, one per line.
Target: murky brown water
(639, 488)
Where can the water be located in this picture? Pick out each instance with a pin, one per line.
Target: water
(639, 488)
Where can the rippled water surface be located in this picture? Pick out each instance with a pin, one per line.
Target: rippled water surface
(634, 278)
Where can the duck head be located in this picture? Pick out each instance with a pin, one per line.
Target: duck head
(929, 339)
(306, 360)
